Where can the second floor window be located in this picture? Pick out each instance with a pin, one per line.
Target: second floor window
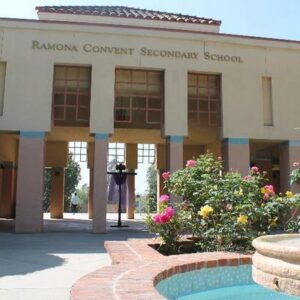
(204, 99)
(71, 96)
(138, 98)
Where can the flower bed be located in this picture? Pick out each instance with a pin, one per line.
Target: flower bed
(221, 211)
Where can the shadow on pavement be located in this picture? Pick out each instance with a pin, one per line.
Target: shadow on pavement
(28, 253)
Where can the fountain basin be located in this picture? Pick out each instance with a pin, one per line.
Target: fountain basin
(276, 262)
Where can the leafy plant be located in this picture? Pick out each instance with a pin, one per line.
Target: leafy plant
(225, 211)
(293, 225)
(167, 224)
(72, 178)
(151, 188)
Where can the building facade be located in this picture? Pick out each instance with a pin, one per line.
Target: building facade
(117, 74)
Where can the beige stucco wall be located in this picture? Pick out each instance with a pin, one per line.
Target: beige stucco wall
(29, 74)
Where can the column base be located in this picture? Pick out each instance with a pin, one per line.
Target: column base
(130, 213)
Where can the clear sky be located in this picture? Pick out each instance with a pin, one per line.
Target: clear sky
(267, 18)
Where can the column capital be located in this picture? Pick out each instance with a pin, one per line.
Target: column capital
(32, 134)
(175, 138)
(101, 136)
(237, 141)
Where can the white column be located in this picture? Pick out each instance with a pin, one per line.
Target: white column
(30, 182)
(102, 98)
(100, 183)
(176, 104)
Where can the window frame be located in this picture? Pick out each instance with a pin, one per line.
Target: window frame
(65, 92)
(146, 95)
(209, 99)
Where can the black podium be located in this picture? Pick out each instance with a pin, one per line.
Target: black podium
(120, 176)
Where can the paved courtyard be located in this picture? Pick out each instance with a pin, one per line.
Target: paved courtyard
(44, 266)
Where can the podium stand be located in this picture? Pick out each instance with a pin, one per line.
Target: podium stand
(120, 176)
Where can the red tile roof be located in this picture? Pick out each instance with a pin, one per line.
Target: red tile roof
(126, 12)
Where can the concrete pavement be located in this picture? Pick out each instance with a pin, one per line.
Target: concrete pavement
(44, 266)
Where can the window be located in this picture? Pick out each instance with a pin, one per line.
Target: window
(138, 98)
(146, 153)
(71, 96)
(267, 101)
(116, 152)
(204, 99)
(2, 85)
(78, 151)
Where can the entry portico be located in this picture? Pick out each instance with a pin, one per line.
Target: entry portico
(123, 75)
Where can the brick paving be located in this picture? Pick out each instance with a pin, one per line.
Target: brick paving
(136, 269)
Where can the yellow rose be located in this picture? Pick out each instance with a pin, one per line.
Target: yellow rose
(242, 219)
(263, 190)
(205, 211)
(289, 194)
(239, 192)
(273, 222)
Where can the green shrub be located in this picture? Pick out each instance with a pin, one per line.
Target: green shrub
(167, 223)
(293, 225)
(223, 211)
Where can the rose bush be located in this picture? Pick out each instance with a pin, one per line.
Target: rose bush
(295, 175)
(293, 225)
(167, 224)
(222, 211)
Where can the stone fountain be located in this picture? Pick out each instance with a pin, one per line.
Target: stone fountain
(276, 262)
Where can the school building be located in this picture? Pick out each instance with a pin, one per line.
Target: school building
(111, 74)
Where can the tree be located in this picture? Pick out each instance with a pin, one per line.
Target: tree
(72, 178)
(83, 195)
(151, 187)
(47, 189)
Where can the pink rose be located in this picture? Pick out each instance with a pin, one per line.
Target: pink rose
(164, 198)
(170, 211)
(156, 218)
(271, 189)
(267, 191)
(164, 218)
(219, 157)
(255, 169)
(296, 164)
(191, 163)
(166, 176)
(248, 177)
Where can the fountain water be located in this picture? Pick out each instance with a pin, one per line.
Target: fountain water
(276, 262)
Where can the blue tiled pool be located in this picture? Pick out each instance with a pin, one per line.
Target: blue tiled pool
(222, 283)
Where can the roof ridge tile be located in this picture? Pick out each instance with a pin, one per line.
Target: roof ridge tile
(127, 12)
